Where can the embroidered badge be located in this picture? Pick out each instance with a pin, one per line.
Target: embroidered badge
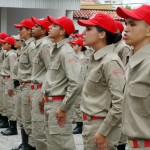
(72, 60)
(118, 71)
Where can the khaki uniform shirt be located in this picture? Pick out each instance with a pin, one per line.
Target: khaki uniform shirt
(62, 76)
(84, 64)
(15, 68)
(2, 54)
(123, 50)
(102, 93)
(41, 60)
(136, 104)
(7, 66)
(25, 61)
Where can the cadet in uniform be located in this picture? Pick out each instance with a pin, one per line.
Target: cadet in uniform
(102, 92)
(17, 89)
(136, 104)
(78, 47)
(61, 86)
(3, 117)
(122, 49)
(39, 69)
(24, 76)
(6, 72)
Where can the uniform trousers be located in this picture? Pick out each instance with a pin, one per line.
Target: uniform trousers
(89, 130)
(38, 122)
(77, 116)
(8, 102)
(143, 148)
(58, 138)
(26, 111)
(1, 95)
(17, 98)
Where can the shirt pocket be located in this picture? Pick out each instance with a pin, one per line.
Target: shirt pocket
(6, 65)
(93, 82)
(35, 60)
(55, 71)
(140, 99)
(24, 60)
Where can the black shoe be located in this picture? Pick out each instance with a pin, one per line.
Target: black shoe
(17, 148)
(9, 131)
(4, 125)
(24, 148)
(121, 147)
(24, 138)
(31, 148)
(78, 128)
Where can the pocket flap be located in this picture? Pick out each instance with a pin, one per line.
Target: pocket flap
(55, 66)
(140, 91)
(95, 77)
(36, 60)
(24, 60)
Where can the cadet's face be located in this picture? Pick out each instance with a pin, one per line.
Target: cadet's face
(135, 32)
(75, 47)
(90, 36)
(18, 44)
(6, 46)
(23, 32)
(54, 31)
(37, 31)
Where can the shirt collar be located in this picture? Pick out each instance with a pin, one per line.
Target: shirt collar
(139, 56)
(103, 51)
(8, 52)
(38, 42)
(29, 41)
(61, 43)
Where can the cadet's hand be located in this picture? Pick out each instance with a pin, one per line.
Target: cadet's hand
(10, 92)
(101, 141)
(61, 117)
(41, 105)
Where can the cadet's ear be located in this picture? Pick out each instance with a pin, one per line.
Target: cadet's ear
(148, 31)
(44, 32)
(102, 35)
(62, 32)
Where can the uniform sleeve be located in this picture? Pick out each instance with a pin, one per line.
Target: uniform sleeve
(31, 54)
(1, 56)
(123, 54)
(15, 69)
(12, 59)
(72, 69)
(45, 55)
(114, 75)
(45, 84)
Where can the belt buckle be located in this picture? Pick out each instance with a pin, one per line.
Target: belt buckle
(35, 87)
(88, 117)
(130, 143)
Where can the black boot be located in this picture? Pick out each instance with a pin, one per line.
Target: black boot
(24, 138)
(31, 148)
(12, 129)
(121, 147)
(78, 128)
(20, 146)
(1, 118)
(17, 148)
(4, 122)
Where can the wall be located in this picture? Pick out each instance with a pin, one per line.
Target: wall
(15, 15)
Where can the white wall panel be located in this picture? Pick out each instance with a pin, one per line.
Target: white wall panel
(51, 4)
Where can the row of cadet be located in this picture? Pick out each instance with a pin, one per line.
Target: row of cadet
(57, 77)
